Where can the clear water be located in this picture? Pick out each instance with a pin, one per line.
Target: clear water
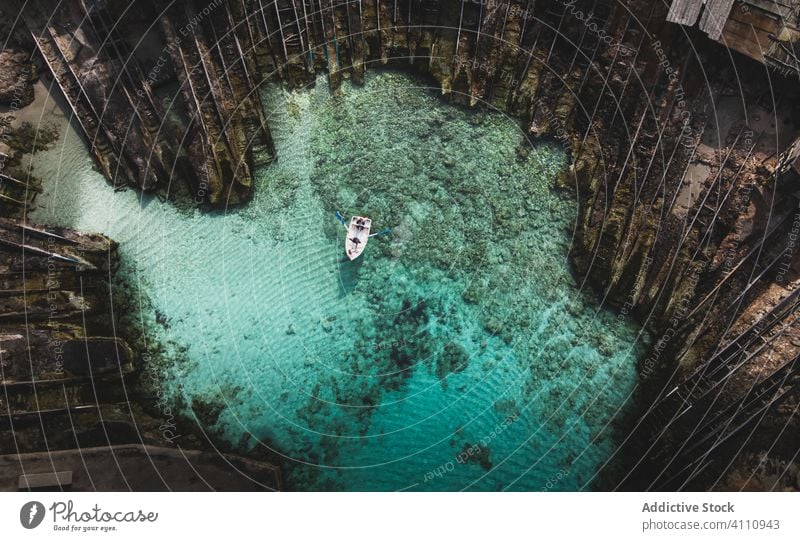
(455, 354)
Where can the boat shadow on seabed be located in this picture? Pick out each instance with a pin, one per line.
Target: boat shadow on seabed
(348, 274)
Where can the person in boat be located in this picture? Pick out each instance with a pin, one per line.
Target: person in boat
(355, 241)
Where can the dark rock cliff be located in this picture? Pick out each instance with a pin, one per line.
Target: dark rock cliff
(687, 210)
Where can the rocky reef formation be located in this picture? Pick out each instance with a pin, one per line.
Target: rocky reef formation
(59, 350)
(209, 139)
(17, 70)
(687, 202)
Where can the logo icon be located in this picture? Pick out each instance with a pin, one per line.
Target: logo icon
(31, 515)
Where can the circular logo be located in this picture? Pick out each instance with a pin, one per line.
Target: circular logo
(31, 515)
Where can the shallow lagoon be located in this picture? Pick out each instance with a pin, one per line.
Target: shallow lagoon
(457, 353)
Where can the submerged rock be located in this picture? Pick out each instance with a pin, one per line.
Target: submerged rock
(327, 323)
(206, 410)
(475, 454)
(452, 359)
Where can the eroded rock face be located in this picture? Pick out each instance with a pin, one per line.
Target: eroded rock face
(17, 75)
(648, 256)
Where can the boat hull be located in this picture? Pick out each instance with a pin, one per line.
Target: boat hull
(357, 236)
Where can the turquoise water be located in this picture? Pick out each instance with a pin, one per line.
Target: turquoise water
(455, 354)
